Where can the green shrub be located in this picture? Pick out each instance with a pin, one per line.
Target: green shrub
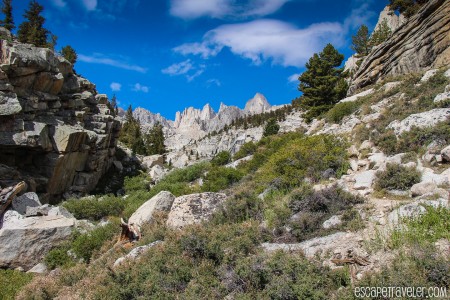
(397, 177)
(265, 148)
(433, 225)
(271, 127)
(420, 266)
(245, 150)
(95, 208)
(341, 110)
(58, 257)
(221, 159)
(220, 178)
(312, 208)
(283, 276)
(137, 183)
(85, 245)
(11, 282)
(387, 142)
(417, 138)
(307, 157)
(239, 208)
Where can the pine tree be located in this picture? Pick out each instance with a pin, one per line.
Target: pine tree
(32, 30)
(8, 22)
(381, 34)
(361, 41)
(271, 127)
(113, 106)
(154, 140)
(131, 134)
(407, 7)
(323, 83)
(69, 53)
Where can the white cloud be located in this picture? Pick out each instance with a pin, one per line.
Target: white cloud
(103, 60)
(140, 88)
(266, 39)
(90, 4)
(179, 68)
(59, 3)
(197, 49)
(191, 9)
(293, 78)
(358, 16)
(115, 86)
(213, 81)
(187, 68)
(195, 75)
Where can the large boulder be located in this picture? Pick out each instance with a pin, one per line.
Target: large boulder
(445, 96)
(364, 180)
(194, 208)
(24, 242)
(21, 203)
(162, 202)
(135, 253)
(9, 104)
(445, 153)
(420, 120)
(423, 188)
(153, 160)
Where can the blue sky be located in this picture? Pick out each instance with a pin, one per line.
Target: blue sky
(165, 55)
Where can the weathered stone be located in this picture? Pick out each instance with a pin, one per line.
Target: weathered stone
(68, 138)
(364, 180)
(332, 222)
(445, 153)
(162, 202)
(157, 173)
(445, 96)
(23, 243)
(428, 75)
(193, 209)
(40, 268)
(420, 120)
(64, 168)
(153, 160)
(59, 211)
(422, 43)
(9, 104)
(21, 203)
(310, 247)
(10, 216)
(428, 175)
(422, 188)
(135, 253)
(37, 211)
(406, 211)
(357, 96)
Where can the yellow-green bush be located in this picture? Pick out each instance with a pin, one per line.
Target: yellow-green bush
(220, 178)
(95, 208)
(11, 282)
(302, 158)
(397, 177)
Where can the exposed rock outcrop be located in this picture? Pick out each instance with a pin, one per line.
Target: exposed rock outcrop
(162, 202)
(194, 208)
(25, 241)
(56, 131)
(422, 43)
(392, 20)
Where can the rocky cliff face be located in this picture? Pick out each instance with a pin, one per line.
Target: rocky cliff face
(56, 131)
(422, 43)
(393, 21)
